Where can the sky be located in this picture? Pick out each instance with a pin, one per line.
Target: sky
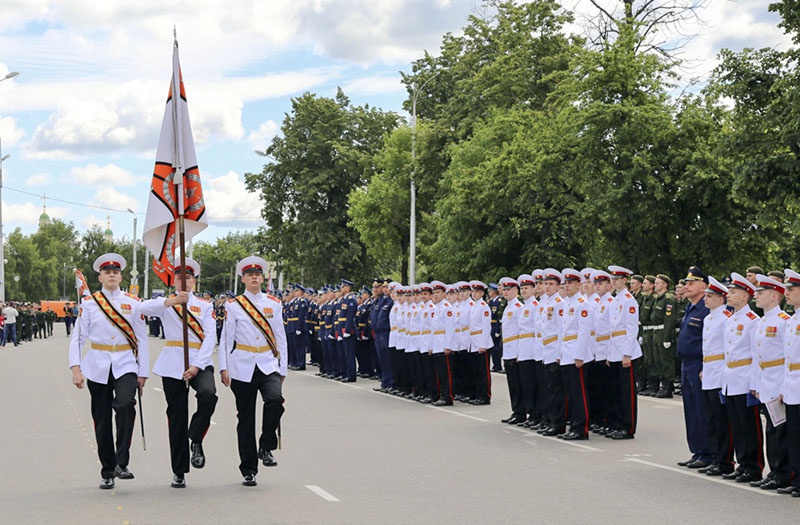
(81, 121)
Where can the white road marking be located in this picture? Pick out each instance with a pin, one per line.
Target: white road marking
(458, 414)
(581, 446)
(327, 496)
(702, 477)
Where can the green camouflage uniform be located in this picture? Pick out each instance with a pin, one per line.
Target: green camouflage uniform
(665, 318)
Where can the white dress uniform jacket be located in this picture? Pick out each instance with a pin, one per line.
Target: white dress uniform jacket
(602, 327)
(791, 381)
(769, 351)
(444, 327)
(576, 327)
(239, 328)
(741, 370)
(714, 348)
(170, 361)
(95, 328)
(551, 327)
(480, 326)
(426, 329)
(624, 328)
(528, 328)
(511, 316)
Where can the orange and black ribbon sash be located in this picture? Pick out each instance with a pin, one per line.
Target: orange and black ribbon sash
(117, 320)
(191, 321)
(260, 321)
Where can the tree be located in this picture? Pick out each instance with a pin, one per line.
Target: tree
(325, 150)
(218, 260)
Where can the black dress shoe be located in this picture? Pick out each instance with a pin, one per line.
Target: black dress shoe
(713, 470)
(748, 477)
(249, 480)
(620, 434)
(788, 490)
(550, 432)
(543, 428)
(442, 403)
(267, 458)
(773, 484)
(698, 463)
(122, 473)
(704, 470)
(198, 458)
(379, 389)
(514, 420)
(107, 483)
(574, 436)
(732, 475)
(686, 463)
(178, 482)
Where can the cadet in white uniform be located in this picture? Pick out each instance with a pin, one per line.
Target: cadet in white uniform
(112, 337)
(252, 360)
(719, 437)
(510, 326)
(480, 346)
(174, 374)
(550, 322)
(769, 350)
(790, 390)
(740, 372)
(623, 355)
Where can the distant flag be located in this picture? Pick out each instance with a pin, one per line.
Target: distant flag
(175, 190)
(80, 284)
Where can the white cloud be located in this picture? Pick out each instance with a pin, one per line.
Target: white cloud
(10, 133)
(16, 214)
(375, 85)
(40, 179)
(229, 203)
(262, 137)
(111, 198)
(108, 175)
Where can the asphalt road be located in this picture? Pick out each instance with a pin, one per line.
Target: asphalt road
(351, 455)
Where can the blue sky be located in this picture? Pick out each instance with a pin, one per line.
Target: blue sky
(81, 121)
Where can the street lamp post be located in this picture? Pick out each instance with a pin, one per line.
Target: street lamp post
(2, 241)
(412, 249)
(12, 74)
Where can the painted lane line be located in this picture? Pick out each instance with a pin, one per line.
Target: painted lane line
(453, 412)
(327, 496)
(712, 479)
(528, 433)
(315, 376)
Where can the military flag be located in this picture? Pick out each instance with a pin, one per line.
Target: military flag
(81, 285)
(176, 211)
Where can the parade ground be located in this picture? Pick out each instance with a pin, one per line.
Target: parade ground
(351, 455)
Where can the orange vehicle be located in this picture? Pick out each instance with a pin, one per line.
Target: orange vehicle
(56, 306)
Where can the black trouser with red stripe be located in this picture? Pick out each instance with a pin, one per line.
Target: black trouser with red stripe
(777, 451)
(599, 392)
(117, 394)
(556, 409)
(527, 380)
(793, 441)
(720, 441)
(514, 388)
(748, 437)
(426, 375)
(180, 429)
(625, 402)
(444, 377)
(482, 375)
(578, 398)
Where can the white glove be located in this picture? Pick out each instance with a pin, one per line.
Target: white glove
(641, 340)
(667, 345)
(297, 332)
(338, 338)
(346, 335)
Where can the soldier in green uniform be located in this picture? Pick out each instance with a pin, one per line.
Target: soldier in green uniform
(50, 318)
(750, 275)
(681, 303)
(41, 324)
(649, 374)
(665, 318)
(27, 323)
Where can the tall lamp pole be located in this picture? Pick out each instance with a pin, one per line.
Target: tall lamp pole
(12, 74)
(2, 241)
(412, 249)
